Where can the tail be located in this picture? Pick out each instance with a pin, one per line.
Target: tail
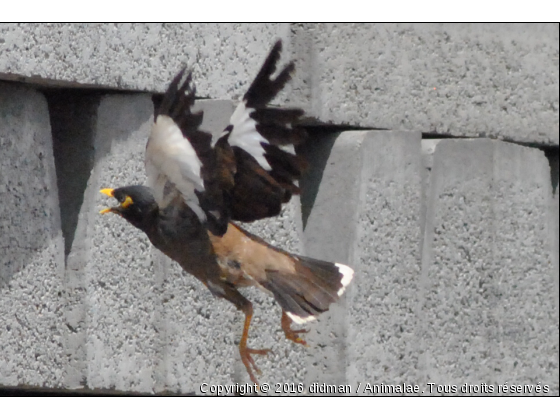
(311, 289)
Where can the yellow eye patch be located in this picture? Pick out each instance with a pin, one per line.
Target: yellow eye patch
(127, 202)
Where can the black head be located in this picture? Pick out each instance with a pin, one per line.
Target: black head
(136, 204)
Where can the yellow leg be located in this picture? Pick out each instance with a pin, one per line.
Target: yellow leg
(229, 292)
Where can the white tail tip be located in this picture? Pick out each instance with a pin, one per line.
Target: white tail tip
(347, 276)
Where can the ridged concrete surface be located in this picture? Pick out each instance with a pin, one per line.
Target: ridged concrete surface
(475, 80)
(31, 245)
(454, 241)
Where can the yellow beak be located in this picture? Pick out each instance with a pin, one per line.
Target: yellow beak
(109, 192)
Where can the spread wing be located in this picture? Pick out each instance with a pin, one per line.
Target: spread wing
(245, 174)
(262, 139)
(180, 158)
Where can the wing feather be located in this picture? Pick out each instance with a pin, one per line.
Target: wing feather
(262, 138)
(248, 172)
(179, 154)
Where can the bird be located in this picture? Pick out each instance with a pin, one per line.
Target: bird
(200, 188)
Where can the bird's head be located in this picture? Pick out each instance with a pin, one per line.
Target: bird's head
(136, 204)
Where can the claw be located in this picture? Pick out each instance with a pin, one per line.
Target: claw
(292, 335)
(249, 363)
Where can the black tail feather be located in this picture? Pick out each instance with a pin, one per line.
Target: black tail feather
(310, 291)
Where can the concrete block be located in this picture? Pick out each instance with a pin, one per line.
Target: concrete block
(487, 286)
(522, 235)
(32, 329)
(553, 223)
(365, 213)
(330, 234)
(224, 57)
(112, 290)
(476, 80)
(73, 121)
(384, 351)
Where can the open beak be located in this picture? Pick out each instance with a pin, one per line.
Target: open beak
(110, 193)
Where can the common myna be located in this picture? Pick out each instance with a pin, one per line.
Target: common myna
(199, 185)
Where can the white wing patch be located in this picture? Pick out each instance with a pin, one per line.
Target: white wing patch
(246, 136)
(171, 157)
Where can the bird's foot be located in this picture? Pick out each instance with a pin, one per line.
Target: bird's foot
(293, 335)
(249, 363)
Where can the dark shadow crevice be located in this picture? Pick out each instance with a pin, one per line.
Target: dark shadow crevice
(73, 118)
(551, 154)
(316, 151)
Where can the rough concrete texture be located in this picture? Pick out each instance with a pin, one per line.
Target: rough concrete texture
(145, 57)
(335, 187)
(487, 306)
(330, 233)
(554, 233)
(454, 241)
(496, 80)
(475, 80)
(119, 289)
(372, 180)
(388, 261)
(31, 245)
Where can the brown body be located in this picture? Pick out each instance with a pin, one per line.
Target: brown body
(237, 257)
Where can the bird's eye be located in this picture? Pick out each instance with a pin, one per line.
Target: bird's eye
(127, 202)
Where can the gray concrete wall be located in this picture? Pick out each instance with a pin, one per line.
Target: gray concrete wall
(475, 80)
(454, 240)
